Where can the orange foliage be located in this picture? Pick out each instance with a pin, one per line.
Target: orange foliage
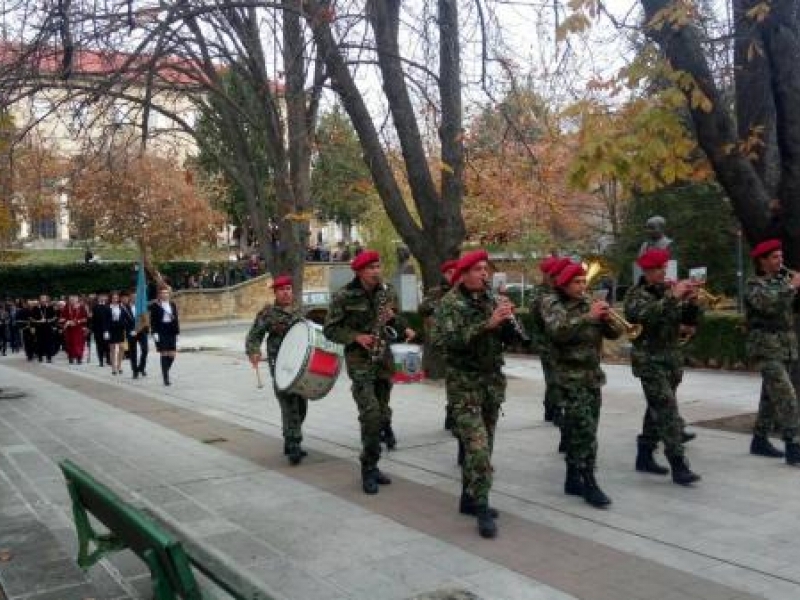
(146, 199)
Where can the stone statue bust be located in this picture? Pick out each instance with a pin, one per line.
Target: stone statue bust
(655, 227)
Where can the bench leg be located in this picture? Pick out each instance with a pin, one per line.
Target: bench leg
(162, 590)
(104, 544)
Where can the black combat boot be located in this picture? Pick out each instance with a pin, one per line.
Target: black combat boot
(449, 421)
(591, 491)
(645, 461)
(468, 506)
(295, 454)
(387, 437)
(761, 446)
(549, 411)
(562, 443)
(486, 525)
(793, 453)
(558, 416)
(681, 473)
(461, 453)
(573, 484)
(369, 480)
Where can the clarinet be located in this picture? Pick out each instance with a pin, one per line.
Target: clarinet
(511, 329)
(381, 331)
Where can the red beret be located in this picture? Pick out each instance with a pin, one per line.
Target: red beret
(559, 265)
(449, 264)
(569, 273)
(469, 260)
(765, 248)
(367, 257)
(655, 258)
(547, 264)
(281, 281)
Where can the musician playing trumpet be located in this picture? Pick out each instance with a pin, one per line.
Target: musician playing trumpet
(362, 316)
(666, 312)
(770, 303)
(275, 320)
(576, 326)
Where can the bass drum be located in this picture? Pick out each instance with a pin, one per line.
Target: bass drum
(308, 363)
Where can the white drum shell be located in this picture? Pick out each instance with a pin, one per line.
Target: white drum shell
(304, 344)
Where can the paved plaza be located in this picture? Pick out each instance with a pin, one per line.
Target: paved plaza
(207, 452)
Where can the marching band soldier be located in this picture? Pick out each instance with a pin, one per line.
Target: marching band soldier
(427, 308)
(545, 288)
(576, 328)
(275, 320)
(770, 302)
(469, 325)
(666, 313)
(358, 318)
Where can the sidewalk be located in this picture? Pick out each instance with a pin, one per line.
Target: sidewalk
(207, 451)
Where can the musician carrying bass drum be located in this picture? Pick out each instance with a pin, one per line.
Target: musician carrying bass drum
(276, 320)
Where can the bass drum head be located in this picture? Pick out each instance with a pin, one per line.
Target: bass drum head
(292, 355)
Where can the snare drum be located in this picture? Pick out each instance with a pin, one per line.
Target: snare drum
(407, 359)
(308, 363)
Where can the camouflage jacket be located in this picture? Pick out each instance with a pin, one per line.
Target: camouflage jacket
(354, 311)
(540, 341)
(275, 321)
(660, 315)
(770, 318)
(460, 329)
(576, 340)
(431, 300)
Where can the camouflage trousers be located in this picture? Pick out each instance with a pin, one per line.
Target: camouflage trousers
(551, 401)
(778, 406)
(662, 422)
(476, 400)
(371, 393)
(293, 413)
(581, 417)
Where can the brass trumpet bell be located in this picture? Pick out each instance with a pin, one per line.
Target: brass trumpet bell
(708, 299)
(632, 330)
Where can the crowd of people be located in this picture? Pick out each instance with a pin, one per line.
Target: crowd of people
(103, 326)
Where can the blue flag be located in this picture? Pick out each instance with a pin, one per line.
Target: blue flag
(141, 294)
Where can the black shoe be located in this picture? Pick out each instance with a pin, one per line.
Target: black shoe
(793, 453)
(136, 374)
(681, 473)
(573, 484)
(80, 362)
(687, 436)
(562, 444)
(592, 492)
(448, 421)
(295, 454)
(548, 413)
(761, 446)
(143, 373)
(381, 478)
(49, 359)
(461, 453)
(558, 416)
(167, 381)
(72, 361)
(486, 525)
(645, 463)
(369, 481)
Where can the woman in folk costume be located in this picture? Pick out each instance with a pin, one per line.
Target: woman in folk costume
(73, 319)
(165, 327)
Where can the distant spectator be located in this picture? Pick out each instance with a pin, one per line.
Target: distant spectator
(88, 256)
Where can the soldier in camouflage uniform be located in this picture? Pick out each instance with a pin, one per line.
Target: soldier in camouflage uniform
(426, 310)
(275, 320)
(469, 325)
(576, 328)
(666, 313)
(770, 303)
(356, 319)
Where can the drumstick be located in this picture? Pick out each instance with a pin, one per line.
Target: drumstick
(258, 376)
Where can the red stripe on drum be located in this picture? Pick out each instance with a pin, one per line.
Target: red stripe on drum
(323, 363)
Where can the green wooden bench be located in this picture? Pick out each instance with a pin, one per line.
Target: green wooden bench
(169, 550)
(169, 564)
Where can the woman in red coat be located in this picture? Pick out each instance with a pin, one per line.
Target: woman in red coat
(73, 320)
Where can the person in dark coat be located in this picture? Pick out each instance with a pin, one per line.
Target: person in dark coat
(165, 326)
(101, 329)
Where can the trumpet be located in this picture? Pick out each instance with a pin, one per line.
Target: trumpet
(709, 299)
(594, 270)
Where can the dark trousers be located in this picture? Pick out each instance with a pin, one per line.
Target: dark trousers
(137, 352)
(103, 348)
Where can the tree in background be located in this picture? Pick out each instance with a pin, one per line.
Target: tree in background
(341, 186)
(144, 198)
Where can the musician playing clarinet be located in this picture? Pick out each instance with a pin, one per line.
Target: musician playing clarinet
(362, 317)
(275, 320)
(470, 325)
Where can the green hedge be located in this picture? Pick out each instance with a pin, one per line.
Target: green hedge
(29, 281)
